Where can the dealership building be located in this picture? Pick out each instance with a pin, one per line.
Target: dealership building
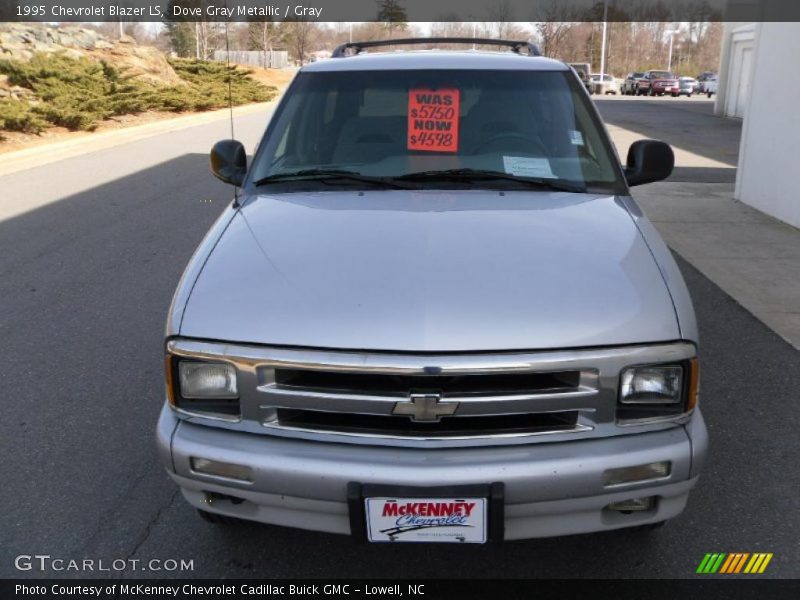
(759, 83)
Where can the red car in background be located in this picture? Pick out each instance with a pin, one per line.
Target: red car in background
(658, 83)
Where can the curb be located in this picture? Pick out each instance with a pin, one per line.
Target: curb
(37, 156)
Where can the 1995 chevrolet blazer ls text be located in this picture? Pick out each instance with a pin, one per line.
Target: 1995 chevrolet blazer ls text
(434, 314)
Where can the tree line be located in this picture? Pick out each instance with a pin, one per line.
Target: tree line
(631, 46)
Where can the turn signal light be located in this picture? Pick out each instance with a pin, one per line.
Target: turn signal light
(635, 474)
(206, 466)
(694, 384)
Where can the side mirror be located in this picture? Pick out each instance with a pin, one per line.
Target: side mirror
(229, 161)
(648, 161)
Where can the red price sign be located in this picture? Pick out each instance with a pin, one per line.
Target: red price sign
(433, 119)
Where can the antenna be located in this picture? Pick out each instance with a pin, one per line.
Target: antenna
(230, 96)
(230, 77)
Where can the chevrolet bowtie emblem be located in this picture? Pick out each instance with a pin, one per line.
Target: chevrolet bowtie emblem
(425, 407)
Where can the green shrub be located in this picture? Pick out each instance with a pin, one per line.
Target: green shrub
(215, 80)
(17, 116)
(79, 93)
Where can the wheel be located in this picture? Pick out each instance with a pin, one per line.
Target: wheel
(708, 94)
(650, 92)
(674, 95)
(689, 95)
(217, 519)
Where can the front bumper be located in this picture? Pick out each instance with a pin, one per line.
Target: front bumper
(550, 488)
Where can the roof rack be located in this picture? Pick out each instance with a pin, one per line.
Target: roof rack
(353, 48)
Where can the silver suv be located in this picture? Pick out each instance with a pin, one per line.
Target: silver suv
(433, 313)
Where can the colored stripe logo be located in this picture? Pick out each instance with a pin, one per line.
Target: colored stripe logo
(734, 562)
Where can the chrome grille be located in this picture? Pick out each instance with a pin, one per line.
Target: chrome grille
(447, 385)
(502, 397)
(454, 427)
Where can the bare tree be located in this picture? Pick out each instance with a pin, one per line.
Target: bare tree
(560, 20)
(261, 35)
(500, 16)
(300, 35)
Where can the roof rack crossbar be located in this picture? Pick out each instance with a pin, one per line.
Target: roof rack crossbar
(353, 48)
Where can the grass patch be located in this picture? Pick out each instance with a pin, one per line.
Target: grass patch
(80, 93)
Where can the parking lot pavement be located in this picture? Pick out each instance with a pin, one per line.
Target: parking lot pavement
(89, 257)
(706, 146)
(753, 257)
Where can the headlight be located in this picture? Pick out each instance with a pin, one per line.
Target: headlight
(652, 392)
(204, 388)
(652, 385)
(207, 380)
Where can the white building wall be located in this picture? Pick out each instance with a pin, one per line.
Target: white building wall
(736, 69)
(769, 154)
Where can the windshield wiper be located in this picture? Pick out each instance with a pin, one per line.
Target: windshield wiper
(467, 175)
(325, 175)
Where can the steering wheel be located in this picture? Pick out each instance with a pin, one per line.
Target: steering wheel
(513, 136)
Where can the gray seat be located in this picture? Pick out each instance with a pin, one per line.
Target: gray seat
(492, 116)
(370, 139)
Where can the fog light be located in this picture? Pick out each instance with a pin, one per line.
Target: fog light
(632, 505)
(656, 470)
(215, 468)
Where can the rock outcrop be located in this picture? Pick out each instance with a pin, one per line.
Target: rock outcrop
(21, 41)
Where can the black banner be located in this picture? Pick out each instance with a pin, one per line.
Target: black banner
(399, 10)
(438, 589)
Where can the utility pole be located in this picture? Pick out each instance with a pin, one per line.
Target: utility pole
(671, 33)
(603, 42)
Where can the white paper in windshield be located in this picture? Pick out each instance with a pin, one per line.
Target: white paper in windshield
(523, 166)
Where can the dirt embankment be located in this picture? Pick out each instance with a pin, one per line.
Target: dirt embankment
(146, 70)
(22, 42)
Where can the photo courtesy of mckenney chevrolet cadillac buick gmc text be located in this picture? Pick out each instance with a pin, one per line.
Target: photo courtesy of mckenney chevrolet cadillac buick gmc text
(434, 313)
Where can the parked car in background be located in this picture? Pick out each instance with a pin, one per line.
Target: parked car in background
(687, 86)
(630, 86)
(583, 69)
(604, 84)
(710, 86)
(658, 83)
(703, 77)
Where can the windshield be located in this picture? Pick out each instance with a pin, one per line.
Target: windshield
(661, 75)
(435, 129)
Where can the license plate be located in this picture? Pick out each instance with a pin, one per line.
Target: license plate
(458, 520)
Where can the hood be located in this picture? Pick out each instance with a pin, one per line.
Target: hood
(431, 271)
